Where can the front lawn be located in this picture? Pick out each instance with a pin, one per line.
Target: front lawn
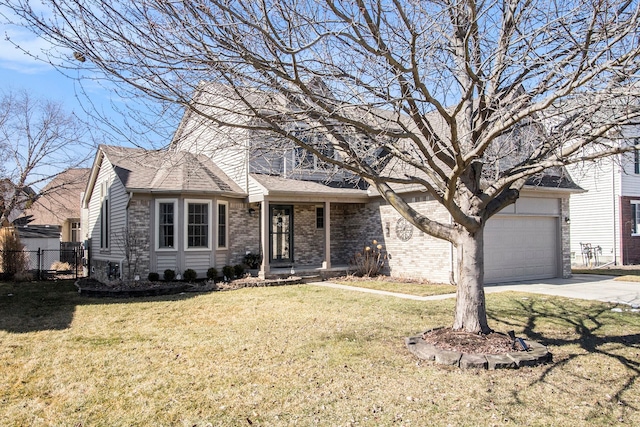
(299, 355)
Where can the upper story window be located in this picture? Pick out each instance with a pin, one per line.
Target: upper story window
(166, 216)
(305, 159)
(636, 161)
(197, 224)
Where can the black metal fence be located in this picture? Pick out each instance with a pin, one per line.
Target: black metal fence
(43, 264)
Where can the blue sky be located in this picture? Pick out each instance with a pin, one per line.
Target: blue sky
(20, 71)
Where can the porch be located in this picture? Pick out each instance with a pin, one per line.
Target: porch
(308, 225)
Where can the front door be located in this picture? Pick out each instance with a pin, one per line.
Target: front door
(281, 234)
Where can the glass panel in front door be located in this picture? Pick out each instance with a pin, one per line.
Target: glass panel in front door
(281, 233)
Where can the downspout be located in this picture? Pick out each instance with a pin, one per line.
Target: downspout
(126, 226)
(246, 165)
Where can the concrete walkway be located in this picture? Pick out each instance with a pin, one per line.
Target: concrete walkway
(581, 286)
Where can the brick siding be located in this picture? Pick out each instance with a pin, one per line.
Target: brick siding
(244, 234)
(353, 226)
(420, 257)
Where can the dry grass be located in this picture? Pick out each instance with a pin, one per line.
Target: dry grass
(407, 287)
(628, 278)
(299, 355)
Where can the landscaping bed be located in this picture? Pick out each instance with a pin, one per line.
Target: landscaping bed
(143, 288)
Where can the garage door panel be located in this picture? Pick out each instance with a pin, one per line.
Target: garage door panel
(520, 248)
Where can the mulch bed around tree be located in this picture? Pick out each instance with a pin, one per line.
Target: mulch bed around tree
(465, 342)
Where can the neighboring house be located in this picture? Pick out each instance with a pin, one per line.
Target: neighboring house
(218, 194)
(13, 201)
(58, 206)
(605, 220)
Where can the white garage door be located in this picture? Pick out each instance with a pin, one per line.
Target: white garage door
(520, 248)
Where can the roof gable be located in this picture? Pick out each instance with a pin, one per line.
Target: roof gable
(142, 170)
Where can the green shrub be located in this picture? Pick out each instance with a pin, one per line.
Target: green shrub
(238, 270)
(212, 273)
(169, 274)
(252, 260)
(190, 275)
(228, 272)
(153, 277)
(370, 261)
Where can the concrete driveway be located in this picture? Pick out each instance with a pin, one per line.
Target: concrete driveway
(581, 286)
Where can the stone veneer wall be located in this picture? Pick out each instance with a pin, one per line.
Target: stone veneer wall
(353, 226)
(308, 240)
(243, 234)
(138, 220)
(99, 270)
(421, 257)
(139, 212)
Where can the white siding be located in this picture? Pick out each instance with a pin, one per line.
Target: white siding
(594, 214)
(117, 213)
(166, 261)
(630, 181)
(198, 261)
(256, 191)
(225, 145)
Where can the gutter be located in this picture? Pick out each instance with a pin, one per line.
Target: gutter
(232, 194)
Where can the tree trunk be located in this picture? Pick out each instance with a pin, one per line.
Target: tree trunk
(471, 314)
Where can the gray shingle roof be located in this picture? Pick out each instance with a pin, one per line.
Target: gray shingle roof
(279, 185)
(168, 171)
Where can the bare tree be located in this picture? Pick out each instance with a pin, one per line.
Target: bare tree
(130, 243)
(466, 99)
(39, 140)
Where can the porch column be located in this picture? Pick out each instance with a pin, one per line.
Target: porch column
(264, 238)
(326, 264)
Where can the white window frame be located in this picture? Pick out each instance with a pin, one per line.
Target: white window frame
(75, 231)
(226, 228)
(187, 202)
(175, 225)
(636, 210)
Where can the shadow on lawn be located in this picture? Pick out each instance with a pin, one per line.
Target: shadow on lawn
(591, 326)
(45, 306)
